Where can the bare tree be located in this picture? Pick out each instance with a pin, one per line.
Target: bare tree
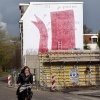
(3, 35)
(86, 30)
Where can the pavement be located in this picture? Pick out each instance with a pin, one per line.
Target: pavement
(10, 93)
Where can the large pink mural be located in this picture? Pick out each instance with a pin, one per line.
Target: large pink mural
(63, 29)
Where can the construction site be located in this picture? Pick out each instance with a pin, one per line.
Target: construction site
(70, 68)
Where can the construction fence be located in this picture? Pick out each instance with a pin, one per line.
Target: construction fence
(70, 68)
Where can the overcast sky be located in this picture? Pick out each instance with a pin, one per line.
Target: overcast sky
(10, 14)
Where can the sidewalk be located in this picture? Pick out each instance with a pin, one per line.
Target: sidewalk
(92, 93)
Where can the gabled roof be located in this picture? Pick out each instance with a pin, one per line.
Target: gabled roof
(22, 4)
(39, 3)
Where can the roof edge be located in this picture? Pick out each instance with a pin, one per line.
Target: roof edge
(23, 4)
(91, 34)
(73, 2)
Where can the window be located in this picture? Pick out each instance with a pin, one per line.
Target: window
(94, 40)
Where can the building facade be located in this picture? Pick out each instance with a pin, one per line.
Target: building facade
(91, 40)
(48, 30)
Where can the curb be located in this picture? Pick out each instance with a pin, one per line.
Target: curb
(90, 95)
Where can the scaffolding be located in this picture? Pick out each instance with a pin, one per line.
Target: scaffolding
(60, 62)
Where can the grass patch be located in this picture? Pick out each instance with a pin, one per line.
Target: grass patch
(4, 73)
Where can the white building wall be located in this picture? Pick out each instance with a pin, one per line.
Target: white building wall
(93, 46)
(31, 34)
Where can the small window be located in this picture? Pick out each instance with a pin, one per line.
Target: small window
(94, 40)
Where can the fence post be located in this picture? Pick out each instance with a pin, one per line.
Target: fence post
(15, 77)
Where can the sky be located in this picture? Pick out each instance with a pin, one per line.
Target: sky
(10, 14)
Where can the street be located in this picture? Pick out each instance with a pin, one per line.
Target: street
(10, 94)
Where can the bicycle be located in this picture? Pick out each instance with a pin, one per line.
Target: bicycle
(25, 92)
